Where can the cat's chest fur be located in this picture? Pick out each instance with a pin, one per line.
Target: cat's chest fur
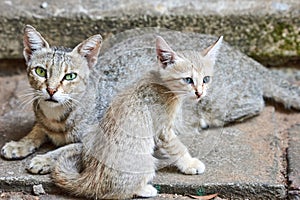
(55, 121)
(52, 113)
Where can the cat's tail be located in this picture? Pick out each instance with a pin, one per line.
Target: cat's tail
(280, 90)
(66, 173)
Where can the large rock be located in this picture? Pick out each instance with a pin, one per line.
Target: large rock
(267, 30)
(237, 91)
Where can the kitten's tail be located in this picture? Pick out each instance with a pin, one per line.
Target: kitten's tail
(280, 90)
(66, 173)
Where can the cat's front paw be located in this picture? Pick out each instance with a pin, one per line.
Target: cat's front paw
(41, 164)
(194, 166)
(16, 150)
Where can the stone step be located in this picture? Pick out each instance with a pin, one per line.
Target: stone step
(243, 160)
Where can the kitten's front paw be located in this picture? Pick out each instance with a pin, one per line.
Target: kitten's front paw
(194, 166)
(17, 150)
(41, 164)
(189, 165)
(147, 191)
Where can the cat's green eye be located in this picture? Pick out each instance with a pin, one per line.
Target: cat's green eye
(70, 76)
(206, 79)
(188, 80)
(41, 71)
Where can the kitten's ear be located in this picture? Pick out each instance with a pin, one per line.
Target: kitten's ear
(90, 49)
(165, 54)
(212, 51)
(32, 41)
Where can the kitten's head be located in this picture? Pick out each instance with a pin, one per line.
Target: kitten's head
(58, 75)
(187, 73)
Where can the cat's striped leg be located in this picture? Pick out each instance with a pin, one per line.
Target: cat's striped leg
(26, 146)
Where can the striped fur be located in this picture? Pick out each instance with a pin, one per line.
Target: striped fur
(62, 105)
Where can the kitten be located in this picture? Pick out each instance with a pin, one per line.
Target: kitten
(238, 92)
(117, 160)
(63, 97)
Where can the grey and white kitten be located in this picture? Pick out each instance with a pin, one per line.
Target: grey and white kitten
(116, 161)
(240, 84)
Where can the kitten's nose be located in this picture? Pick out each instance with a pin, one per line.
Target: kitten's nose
(51, 91)
(198, 94)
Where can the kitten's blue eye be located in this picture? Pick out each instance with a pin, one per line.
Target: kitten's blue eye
(206, 79)
(70, 76)
(189, 80)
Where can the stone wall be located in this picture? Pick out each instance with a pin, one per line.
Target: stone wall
(269, 31)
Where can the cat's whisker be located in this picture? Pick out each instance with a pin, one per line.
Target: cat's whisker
(28, 102)
(38, 102)
(179, 96)
(72, 101)
(28, 90)
(23, 105)
(67, 104)
(27, 93)
(176, 92)
(28, 96)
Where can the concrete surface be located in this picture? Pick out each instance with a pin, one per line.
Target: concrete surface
(255, 159)
(266, 30)
(294, 161)
(244, 160)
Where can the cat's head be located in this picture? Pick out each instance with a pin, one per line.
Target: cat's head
(187, 73)
(58, 75)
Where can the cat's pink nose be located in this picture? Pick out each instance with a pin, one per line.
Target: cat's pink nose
(198, 94)
(51, 91)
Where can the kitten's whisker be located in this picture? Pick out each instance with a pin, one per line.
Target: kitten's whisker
(175, 91)
(178, 96)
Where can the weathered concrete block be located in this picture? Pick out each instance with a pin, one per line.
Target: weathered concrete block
(266, 30)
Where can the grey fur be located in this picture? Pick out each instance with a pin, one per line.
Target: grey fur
(239, 86)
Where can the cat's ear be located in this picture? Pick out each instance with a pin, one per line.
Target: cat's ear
(165, 54)
(33, 41)
(90, 49)
(212, 51)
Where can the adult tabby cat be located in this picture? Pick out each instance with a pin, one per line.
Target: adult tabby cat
(116, 160)
(63, 99)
